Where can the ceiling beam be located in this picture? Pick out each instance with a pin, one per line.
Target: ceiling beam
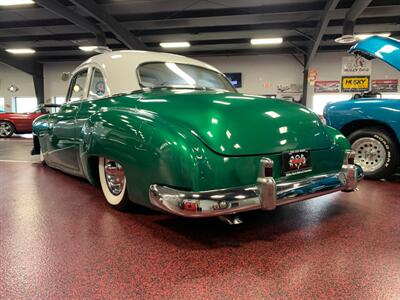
(95, 11)
(352, 15)
(158, 20)
(376, 24)
(80, 21)
(321, 27)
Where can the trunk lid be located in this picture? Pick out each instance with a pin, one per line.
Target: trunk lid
(239, 124)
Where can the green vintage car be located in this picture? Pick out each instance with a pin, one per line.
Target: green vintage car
(171, 133)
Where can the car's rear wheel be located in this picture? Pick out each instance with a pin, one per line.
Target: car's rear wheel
(113, 183)
(6, 129)
(377, 152)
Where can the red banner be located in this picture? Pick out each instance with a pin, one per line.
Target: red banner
(330, 86)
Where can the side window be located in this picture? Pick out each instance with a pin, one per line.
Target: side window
(97, 85)
(77, 86)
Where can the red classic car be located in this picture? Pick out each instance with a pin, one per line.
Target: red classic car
(11, 123)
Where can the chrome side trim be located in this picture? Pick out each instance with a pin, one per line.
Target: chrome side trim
(265, 195)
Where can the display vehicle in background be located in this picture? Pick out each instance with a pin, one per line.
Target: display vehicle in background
(171, 133)
(11, 122)
(370, 121)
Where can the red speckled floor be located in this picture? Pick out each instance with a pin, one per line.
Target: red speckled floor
(59, 239)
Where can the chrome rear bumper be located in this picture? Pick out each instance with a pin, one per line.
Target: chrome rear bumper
(265, 195)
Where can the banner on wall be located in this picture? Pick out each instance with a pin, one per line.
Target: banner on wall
(292, 92)
(355, 66)
(327, 86)
(385, 85)
(355, 83)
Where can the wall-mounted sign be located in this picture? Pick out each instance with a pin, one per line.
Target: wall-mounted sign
(355, 66)
(312, 77)
(267, 85)
(235, 79)
(355, 83)
(385, 85)
(329, 86)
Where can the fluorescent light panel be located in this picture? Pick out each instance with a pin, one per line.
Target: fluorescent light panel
(175, 45)
(267, 41)
(363, 36)
(21, 51)
(15, 2)
(88, 48)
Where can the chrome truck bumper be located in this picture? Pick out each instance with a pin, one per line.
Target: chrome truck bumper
(266, 194)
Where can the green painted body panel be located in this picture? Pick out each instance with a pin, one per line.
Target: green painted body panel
(180, 138)
(234, 124)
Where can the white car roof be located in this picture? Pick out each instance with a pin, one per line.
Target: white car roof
(119, 67)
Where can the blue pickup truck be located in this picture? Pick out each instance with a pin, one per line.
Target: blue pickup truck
(371, 124)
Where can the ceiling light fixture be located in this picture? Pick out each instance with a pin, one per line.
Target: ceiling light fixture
(21, 51)
(88, 48)
(98, 49)
(175, 45)
(267, 41)
(15, 2)
(363, 36)
(349, 38)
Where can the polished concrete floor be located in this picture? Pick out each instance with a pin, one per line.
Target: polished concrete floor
(60, 240)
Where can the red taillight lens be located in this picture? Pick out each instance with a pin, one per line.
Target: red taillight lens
(189, 205)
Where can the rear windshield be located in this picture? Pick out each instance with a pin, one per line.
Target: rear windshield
(175, 75)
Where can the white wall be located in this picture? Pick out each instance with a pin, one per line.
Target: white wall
(329, 67)
(284, 69)
(53, 85)
(23, 81)
(260, 73)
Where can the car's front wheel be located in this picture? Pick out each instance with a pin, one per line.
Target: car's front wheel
(113, 183)
(377, 152)
(6, 129)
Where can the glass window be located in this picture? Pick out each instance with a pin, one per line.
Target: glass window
(77, 86)
(25, 104)
(2, 104)
(97, 85)
(59, 100)
(321, 100)
(175, 75)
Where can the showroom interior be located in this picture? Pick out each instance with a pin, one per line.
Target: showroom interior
(154, 149)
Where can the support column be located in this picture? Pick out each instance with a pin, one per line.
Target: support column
(38, 82)
(305, 87)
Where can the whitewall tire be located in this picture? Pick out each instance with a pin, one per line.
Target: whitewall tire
(113, 183)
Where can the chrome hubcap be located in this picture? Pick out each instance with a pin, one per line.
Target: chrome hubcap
(370, 154)
(115, 176)
(5, 129)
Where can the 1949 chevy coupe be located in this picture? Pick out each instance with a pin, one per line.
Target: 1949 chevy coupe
(11, 122)
(171, 133)
(371, 124)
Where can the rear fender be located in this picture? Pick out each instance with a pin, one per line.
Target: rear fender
(150, 149)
